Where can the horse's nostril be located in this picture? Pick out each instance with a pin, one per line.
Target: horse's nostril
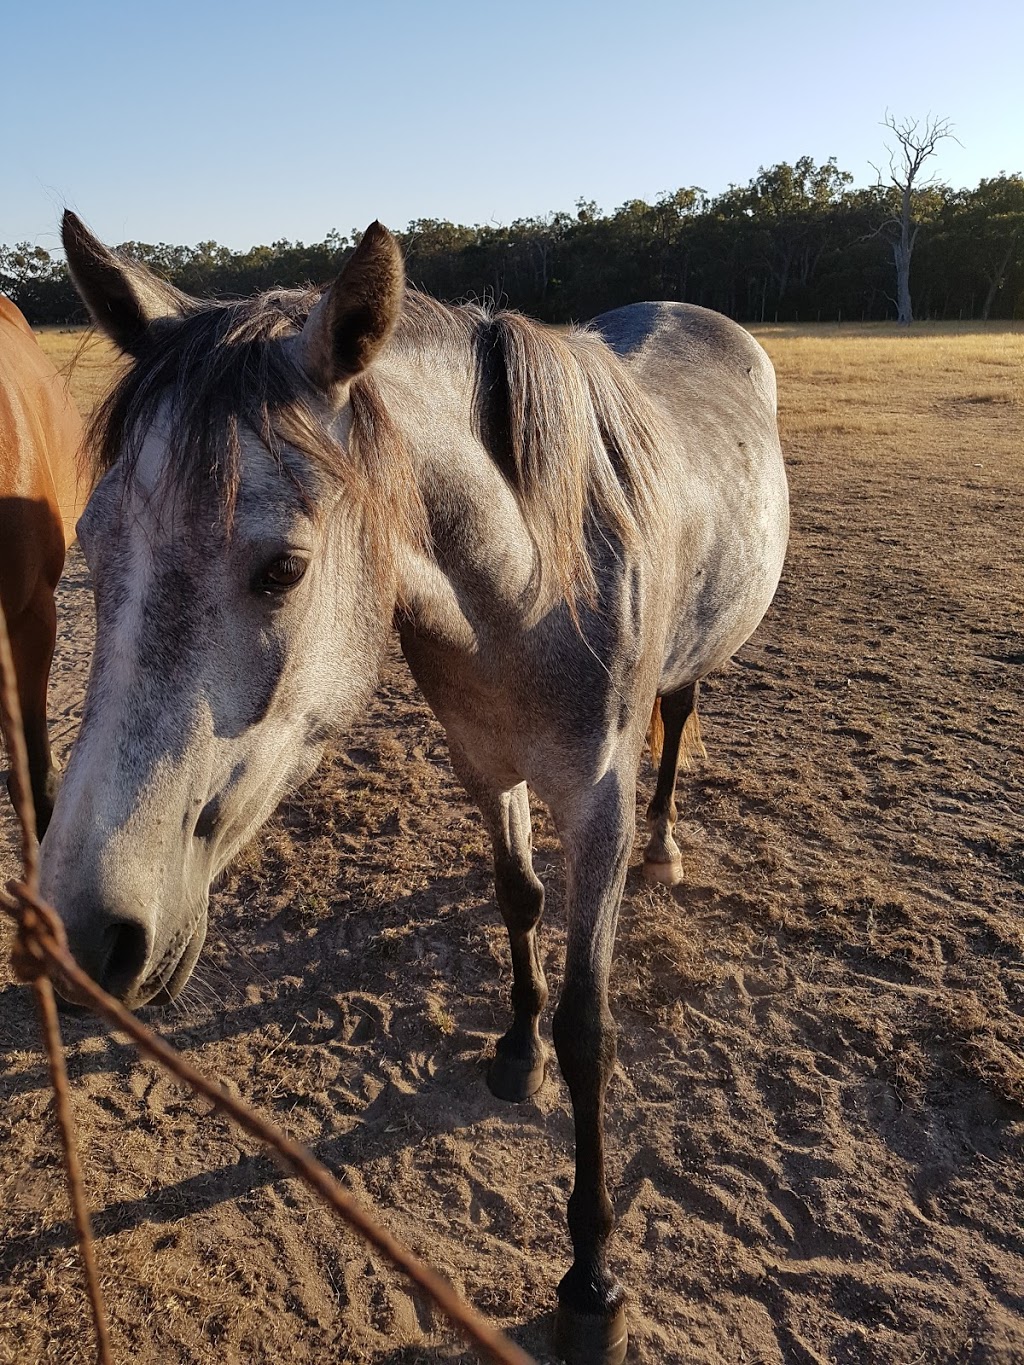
(126, 947)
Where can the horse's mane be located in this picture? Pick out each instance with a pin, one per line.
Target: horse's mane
(557, 411)
(563, 419)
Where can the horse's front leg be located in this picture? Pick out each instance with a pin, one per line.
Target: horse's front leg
(517, 1069)
(598, 838)
(33, 636)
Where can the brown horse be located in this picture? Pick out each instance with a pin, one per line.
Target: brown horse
(40, 499)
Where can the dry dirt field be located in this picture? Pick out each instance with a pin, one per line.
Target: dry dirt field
(817, 1122)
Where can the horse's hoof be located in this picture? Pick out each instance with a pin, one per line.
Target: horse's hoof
(513, 1080)
(663, 874)
(585, 1339)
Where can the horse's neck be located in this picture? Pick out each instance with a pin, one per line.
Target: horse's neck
(480, 574)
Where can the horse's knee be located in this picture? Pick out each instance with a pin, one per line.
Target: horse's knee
(584, 1034)
(520, 896)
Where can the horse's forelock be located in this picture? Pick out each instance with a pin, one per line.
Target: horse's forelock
(207, 375)
(224, 369)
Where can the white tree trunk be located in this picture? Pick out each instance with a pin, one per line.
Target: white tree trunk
(902, 251)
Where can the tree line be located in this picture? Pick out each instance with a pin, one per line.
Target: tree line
(798, 243)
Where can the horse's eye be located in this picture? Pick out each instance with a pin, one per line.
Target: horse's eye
(281, 574)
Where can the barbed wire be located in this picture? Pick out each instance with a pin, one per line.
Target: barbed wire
(41, 954)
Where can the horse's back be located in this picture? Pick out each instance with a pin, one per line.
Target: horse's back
(676, 351)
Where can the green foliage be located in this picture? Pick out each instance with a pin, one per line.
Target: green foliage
(798, 242)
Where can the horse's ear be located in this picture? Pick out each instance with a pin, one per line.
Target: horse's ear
(124, 298)
(353, 320)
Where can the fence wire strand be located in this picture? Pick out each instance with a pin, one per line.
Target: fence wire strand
(41, 954)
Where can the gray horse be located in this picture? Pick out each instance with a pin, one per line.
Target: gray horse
(569, 531)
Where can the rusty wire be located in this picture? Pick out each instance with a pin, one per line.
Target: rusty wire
(29, 962)
(41, 950)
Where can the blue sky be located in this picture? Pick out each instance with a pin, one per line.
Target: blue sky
(246, 123)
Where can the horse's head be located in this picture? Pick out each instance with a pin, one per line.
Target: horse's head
(242, 555)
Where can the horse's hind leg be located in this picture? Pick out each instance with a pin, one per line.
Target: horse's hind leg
(33, 635)
(662, 862)
(517, 1069)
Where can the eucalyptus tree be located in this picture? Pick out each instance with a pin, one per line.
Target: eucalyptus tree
(907, 196)
(994, 218)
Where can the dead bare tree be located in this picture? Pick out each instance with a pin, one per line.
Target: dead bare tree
(916, 143)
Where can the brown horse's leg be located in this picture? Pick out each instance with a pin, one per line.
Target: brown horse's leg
(591, 1318)
(33, 636)
(517, 1069)
(662, 862)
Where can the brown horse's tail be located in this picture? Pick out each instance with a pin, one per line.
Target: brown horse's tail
(656, 732)
(691, 745)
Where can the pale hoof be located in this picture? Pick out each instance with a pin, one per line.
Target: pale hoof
(582, 1339)
(663, 874)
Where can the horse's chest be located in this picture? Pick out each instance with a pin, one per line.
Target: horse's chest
(546, 718)
(476, 703)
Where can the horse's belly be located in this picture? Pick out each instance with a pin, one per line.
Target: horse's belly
(727, 580)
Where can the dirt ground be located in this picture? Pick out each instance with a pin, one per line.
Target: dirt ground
(817, 1120)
